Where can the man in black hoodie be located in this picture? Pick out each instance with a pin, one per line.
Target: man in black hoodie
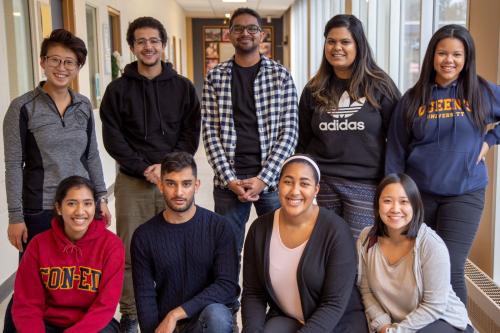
(148, 112)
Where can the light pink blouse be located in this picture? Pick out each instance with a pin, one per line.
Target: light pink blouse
(283, 263)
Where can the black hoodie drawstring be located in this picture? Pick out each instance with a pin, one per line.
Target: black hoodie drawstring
(145, 111)
(158, 108)
(454, 98)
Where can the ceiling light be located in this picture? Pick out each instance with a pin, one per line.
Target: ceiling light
(16, 13)
(234, 0)
(227, 15)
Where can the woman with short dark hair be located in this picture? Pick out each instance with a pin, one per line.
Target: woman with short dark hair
(48, 135)
(344, 113)
(404, 267)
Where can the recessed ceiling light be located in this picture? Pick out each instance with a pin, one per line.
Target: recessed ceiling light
(227, 15)
(234, 0)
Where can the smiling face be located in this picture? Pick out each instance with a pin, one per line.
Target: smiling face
(449, 60)
(77, 210)
(297, 188)
(147, 47)
(395, 209)
(59, 76)
(340, 51)
(245, 42)
(178, 189)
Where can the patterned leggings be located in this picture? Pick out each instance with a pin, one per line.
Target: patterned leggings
(352, 201)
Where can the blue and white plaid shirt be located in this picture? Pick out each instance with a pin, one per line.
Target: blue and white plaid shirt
(277, 120)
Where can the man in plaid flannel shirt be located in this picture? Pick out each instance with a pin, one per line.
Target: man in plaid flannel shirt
(249, 124)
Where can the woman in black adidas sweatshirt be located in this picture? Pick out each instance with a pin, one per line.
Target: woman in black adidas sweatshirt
(344, 113)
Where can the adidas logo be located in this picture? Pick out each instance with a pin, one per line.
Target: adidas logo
(345, 108)
(342, 125)
(340, 115)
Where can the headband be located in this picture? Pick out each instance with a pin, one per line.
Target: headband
(304, 158)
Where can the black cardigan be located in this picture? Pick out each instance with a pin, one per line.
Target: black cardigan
(326, 275)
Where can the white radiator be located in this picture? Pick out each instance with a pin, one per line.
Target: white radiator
(483, 300)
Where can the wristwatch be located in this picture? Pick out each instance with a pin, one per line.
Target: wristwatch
(103, 199)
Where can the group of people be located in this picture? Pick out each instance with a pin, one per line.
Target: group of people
(402, 177)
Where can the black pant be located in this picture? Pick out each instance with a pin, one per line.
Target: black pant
(112, 327)
(36, 222)
(440, 326)
(456, 220)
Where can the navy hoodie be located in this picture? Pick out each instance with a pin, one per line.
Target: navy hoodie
(143, 119)
(441, 149)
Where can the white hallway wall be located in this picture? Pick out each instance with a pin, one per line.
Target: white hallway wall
(166, 11)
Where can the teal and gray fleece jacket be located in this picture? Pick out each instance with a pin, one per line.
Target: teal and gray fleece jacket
(42, 148)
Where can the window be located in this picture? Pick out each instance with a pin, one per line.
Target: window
(450, 12)
(409, 44)
(20, 57)
(299, 58)
(92, 58)
(114, 42)
(56, 10)
(322, 11)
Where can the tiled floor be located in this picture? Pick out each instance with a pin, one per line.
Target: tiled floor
(204, 198)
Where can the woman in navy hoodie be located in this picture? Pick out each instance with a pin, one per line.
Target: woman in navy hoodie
(438, 135)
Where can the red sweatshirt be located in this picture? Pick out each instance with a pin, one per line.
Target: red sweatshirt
(72, 285)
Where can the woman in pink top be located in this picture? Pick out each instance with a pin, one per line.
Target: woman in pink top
(300, 261)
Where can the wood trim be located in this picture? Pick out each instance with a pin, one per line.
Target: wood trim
(68, 12)
(115, 29)
(189, 48)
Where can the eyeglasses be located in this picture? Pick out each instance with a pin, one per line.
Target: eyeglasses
(153, 41)
(55, 61)
(252, 29)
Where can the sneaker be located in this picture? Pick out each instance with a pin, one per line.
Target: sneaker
(128, 324)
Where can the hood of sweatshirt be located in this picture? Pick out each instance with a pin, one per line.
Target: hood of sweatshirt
(151, 99)
(65, 245)
(131, 71)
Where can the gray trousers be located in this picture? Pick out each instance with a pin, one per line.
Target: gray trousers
(136, 201)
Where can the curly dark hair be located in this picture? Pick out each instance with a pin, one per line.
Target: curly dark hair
(146, 22)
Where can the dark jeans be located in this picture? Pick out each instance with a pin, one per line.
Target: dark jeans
(214, 318)
(36, 222)
(456, 220)
(352, 322)
(112, 327)
(237, 212)
(440, 326)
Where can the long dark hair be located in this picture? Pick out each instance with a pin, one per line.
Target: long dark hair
(367, 78)
(469, 84)
(413, 194)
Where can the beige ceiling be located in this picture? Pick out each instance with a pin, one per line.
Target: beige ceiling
(217, 8)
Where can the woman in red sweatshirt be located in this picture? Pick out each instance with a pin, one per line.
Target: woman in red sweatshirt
(71, 276)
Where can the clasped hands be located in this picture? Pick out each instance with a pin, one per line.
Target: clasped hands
(247, 190)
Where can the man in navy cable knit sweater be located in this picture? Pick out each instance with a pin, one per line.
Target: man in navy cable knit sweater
(184, 260)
